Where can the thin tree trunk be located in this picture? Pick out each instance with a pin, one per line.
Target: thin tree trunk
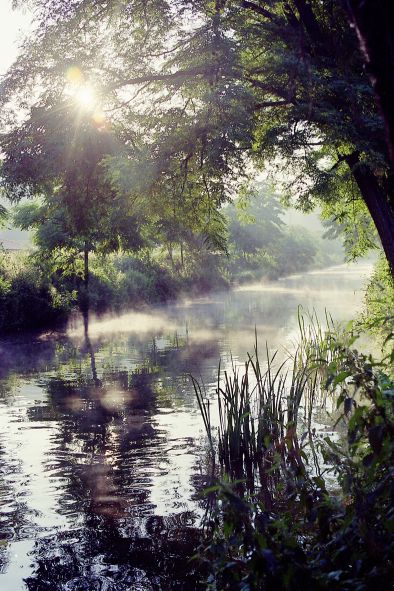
(169, 248)
(182, 257)
(86, 267)
(85, 299)
(377, 203)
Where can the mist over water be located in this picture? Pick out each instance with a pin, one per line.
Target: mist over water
(102, 451)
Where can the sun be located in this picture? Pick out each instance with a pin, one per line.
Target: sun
(80, 89)
(85, 97)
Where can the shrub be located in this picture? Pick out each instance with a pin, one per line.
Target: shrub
(307, 537)
(27, 297)
(379, 299)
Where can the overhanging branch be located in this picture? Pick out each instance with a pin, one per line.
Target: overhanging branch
(264, 104)
(259, 9)
(189, 73)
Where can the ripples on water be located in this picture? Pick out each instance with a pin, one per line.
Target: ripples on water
(101, 444)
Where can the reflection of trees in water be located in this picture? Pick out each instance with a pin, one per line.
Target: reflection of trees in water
(120, 542)
(13, 518)
(25, 355)
(106, 452)
(18, 358)
(108, 449)
(176, 363)
(102, 419)
(102, 557)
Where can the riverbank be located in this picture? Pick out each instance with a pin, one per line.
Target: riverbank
(35, 295)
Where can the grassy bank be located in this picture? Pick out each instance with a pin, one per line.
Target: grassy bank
(250, 242)
(39, 289)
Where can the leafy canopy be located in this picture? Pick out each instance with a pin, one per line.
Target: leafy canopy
(199, 90)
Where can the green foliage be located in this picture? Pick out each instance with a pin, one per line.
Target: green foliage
(379, 300)
(260, 244)
(34, 294)
(119, 281)
(3, 215)
(196, 91)
(309, 536)
(28, 298)
(56, 156)
(350, 222)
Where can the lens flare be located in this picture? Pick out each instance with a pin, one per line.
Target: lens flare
(79, 89)
(99, 119)
(74, 75)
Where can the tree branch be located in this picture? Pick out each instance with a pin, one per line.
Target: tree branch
(259, 9)
(374, 22)
(309, 21)
(348, 158)
(190, 73)
(265, 104)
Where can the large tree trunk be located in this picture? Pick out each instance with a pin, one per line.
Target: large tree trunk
(374, 22)
(377, 203)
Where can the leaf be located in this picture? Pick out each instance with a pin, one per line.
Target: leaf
(341, 377)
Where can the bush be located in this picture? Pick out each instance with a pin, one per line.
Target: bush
(121, 280)
(27, 298)
(379, 299)
(307, 537)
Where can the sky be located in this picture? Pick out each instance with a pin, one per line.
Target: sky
(12, 25)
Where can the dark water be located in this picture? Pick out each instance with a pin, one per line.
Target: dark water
(102, 453)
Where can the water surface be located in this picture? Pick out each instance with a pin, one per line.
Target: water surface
(102, 452)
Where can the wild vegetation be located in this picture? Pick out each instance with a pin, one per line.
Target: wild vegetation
(181, 115)
(128, 127)
(142, 146)
(54, 275)
(276, 520)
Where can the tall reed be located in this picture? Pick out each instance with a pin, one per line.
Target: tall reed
(256, 438)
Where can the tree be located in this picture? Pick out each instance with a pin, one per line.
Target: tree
(57, 156)
(255, 224)
(374, 22)
(323, 126)
(281, 80)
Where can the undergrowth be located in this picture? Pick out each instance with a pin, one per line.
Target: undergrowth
(275, 523)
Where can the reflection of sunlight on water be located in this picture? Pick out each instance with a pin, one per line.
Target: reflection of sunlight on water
(172, 489)
(32, 489)
(300, 284)
(116, 400)
(271, 288)
(355, 269)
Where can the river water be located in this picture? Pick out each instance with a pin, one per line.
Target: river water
(102, 450)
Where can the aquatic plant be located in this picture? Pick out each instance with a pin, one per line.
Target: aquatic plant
(306, 536)
(258, 407)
